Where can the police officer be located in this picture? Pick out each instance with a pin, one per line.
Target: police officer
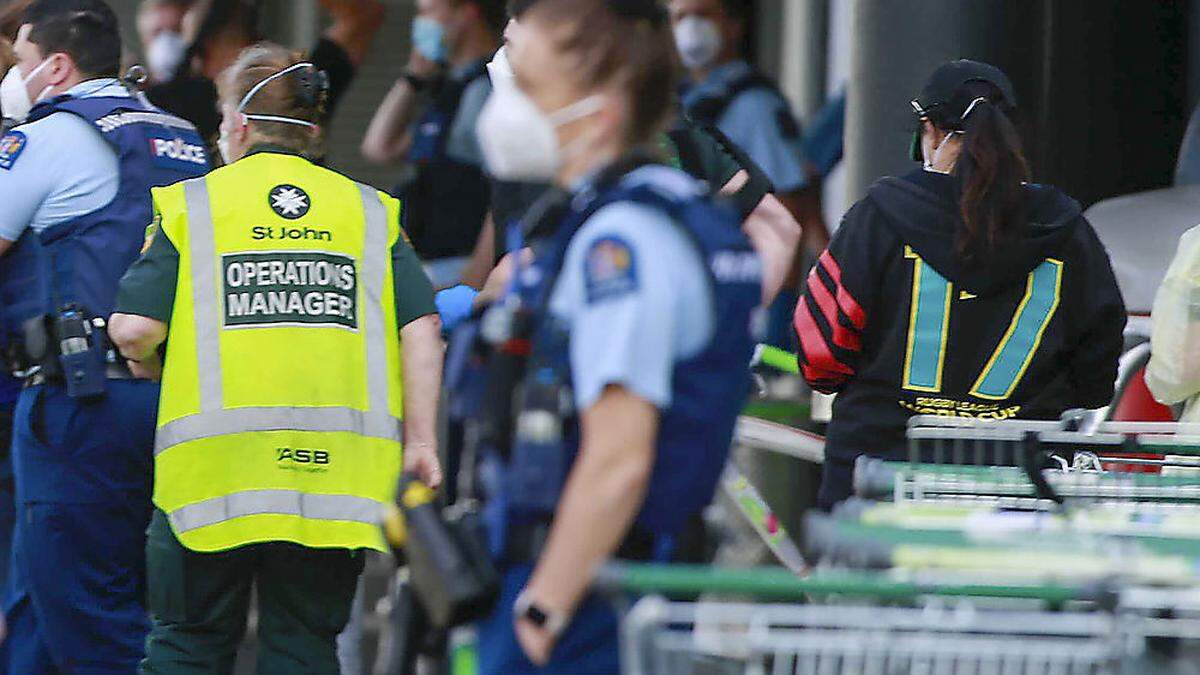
(75, 181)
(726, 92)
(705, 153)
(293, 304)
(10, 387)
(428, 121)
(637, 310)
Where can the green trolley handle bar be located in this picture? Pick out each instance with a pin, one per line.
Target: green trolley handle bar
(779, 359)
(776, 584)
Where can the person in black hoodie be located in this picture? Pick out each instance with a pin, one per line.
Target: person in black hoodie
(959, 289)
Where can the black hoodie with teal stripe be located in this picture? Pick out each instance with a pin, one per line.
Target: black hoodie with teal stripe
(899, 324)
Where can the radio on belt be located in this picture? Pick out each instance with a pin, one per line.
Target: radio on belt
(81, 354)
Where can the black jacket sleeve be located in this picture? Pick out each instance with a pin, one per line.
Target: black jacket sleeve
(329, 56)
(838, 300)
(1098, 314)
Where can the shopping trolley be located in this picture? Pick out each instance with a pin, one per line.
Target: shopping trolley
(1036, 464)
(862, 624)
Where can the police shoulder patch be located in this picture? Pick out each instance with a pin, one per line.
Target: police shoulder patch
(11, 147)
(610, 269)
(151, 230)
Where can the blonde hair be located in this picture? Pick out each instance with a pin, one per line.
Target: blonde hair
(297, 96)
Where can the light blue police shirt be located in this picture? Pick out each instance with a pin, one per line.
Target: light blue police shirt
(636, 300)
(753, 122)
(64, 170)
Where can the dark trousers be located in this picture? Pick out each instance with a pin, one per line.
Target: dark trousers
(8, 494)
(200, 602)
(78, 579)
(837, 482)
(588, 646)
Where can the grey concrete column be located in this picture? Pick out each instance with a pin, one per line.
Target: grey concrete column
(306, 22)
(896, 44)
(803, 58)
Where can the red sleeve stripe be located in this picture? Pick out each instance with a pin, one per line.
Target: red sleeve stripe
(843, 337)
(816, 350)
(845, 300)
(820, 380)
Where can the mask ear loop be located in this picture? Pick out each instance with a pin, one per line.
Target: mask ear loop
(272, 118)
(929, 163)
(966, 113)
(971, 108)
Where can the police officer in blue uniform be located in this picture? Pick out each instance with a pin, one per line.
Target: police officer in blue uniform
(74, 182)
(724, 91)
(629, 334)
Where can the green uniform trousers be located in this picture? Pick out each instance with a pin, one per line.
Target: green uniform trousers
(200, 602)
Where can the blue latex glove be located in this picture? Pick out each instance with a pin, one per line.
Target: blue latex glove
(454, 304)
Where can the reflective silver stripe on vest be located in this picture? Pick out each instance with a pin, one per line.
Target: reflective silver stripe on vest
(275, 502)
(213, 419)
(203, 246)
(374, 275)
(276, 418)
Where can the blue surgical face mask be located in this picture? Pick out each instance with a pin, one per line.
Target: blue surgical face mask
(429, 38)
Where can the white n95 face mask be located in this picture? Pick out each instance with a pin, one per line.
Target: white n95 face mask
(698, 40)
(518, 140)
(164, 55)
(500, 71)
(15, 103)
(14, 100)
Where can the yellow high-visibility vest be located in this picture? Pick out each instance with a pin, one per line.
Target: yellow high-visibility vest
(280, 416)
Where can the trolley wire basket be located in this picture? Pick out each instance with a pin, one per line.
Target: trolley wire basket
(1036, 465)
(889, 627)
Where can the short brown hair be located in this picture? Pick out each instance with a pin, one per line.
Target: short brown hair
(90, 36)
(282, 97)
(632, 50)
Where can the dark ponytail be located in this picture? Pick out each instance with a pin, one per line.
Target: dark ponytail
(992, 167)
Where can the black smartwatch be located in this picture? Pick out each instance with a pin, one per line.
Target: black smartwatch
(548, 620)
(416, 82)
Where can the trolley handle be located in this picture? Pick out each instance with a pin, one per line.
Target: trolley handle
(780, 585)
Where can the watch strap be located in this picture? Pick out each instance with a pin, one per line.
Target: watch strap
(416, 82)
(551, 621)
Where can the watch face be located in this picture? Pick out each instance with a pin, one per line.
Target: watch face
(537, 616)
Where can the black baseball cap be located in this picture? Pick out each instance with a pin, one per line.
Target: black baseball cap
(945, 82)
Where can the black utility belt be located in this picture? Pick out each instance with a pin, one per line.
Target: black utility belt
(112, 371)
(526, 541)
(69, 348)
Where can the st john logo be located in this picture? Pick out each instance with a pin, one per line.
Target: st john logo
(289, 201)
